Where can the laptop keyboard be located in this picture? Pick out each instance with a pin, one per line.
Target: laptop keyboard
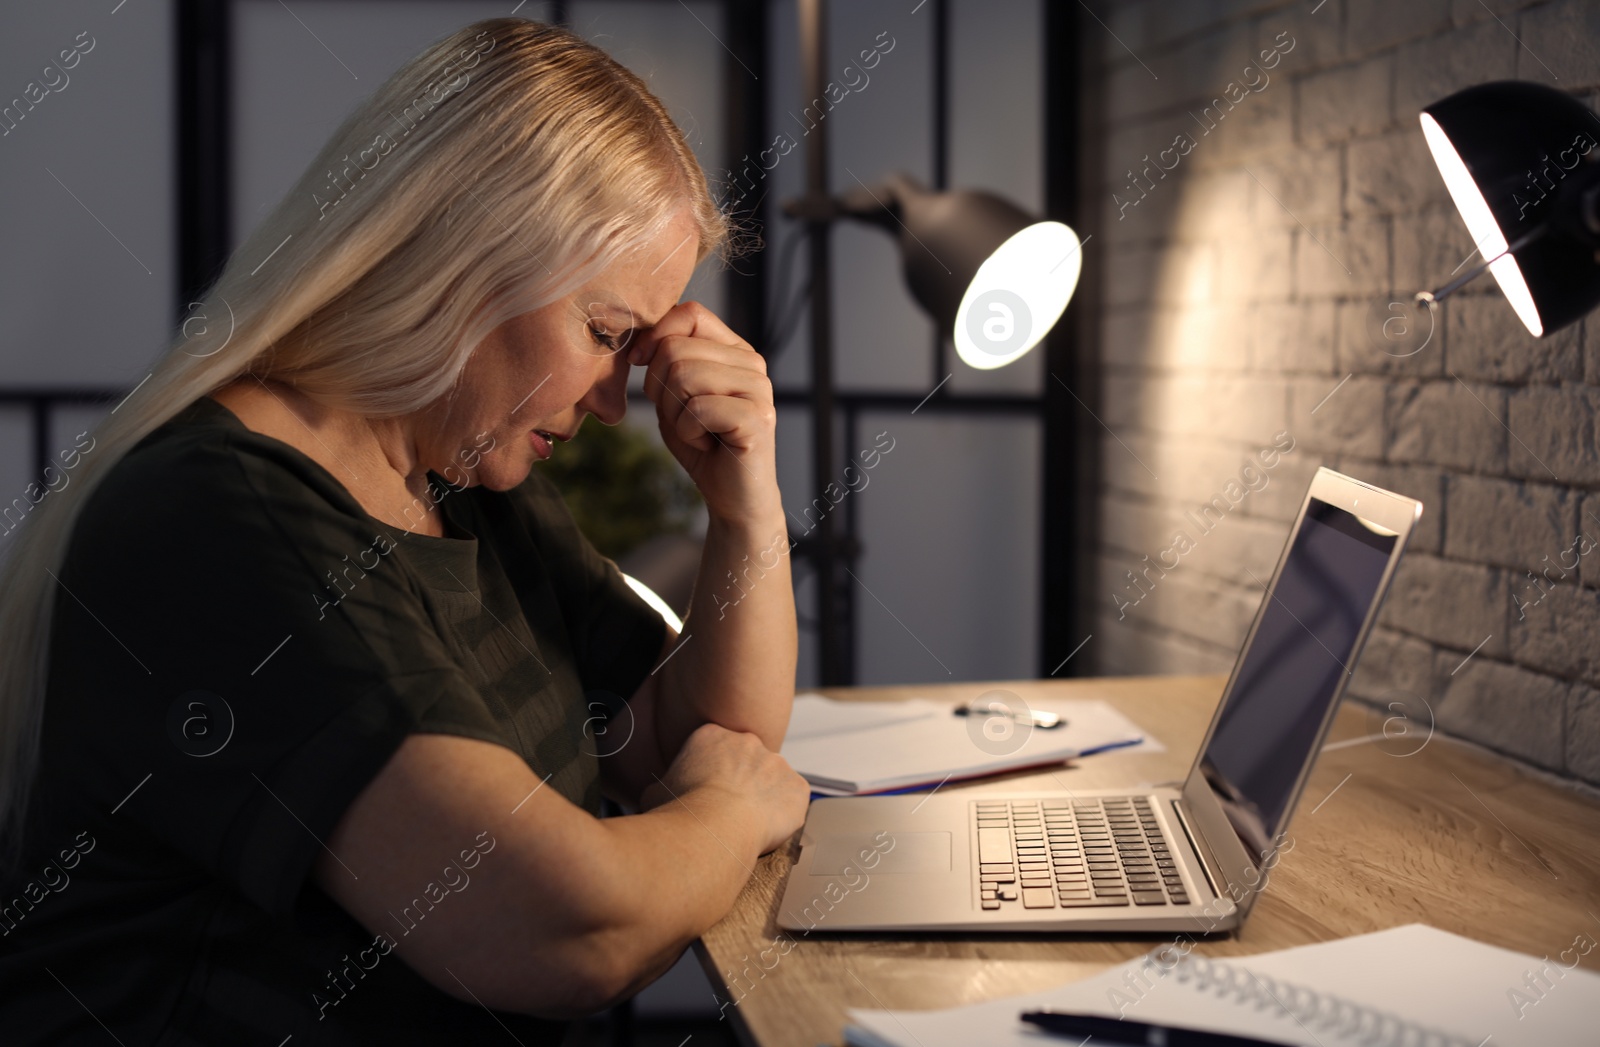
(1077, 853)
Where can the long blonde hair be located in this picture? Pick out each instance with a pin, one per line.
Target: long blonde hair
(492, 174)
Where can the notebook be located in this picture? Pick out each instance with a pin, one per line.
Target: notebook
(850, 748)
(1413, 985)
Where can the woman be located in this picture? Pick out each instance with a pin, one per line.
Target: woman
(311, 687)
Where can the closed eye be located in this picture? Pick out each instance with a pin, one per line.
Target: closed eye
(603, 339)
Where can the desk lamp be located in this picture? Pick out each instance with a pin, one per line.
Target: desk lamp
(1521, 163)
(992, 277)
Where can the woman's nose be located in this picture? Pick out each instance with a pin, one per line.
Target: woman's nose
(607, 398)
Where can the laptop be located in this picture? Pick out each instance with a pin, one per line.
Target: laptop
(1192, 858)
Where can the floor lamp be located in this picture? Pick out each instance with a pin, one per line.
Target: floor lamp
(991, 276)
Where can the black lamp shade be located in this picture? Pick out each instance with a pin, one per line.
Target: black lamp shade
(945, 237)
(1530, 157)
(994, 304)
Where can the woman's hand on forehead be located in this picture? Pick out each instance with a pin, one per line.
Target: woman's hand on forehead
(714, 406)
(689, 319)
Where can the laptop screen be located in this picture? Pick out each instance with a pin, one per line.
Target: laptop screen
(1291, 671)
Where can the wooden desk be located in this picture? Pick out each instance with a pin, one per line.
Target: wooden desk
(1448, 836)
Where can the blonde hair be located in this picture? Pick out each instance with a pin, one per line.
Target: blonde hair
(494, 173)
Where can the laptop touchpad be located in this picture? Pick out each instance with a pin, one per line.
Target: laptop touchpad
(874, 853)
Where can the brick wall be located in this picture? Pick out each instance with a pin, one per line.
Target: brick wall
(1246, 247)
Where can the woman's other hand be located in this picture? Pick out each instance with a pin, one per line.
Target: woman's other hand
(715, 408)
(717, 765)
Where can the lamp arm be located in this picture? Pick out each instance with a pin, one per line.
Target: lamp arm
(882, 204)
(1434, 297)
(782, 329)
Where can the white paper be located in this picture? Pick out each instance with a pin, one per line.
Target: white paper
(859, 747)
(1418, 973)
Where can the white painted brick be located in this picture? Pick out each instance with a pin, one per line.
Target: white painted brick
(1428, 70)
(1249, 408)
(1161, 23)
(1394, 667)
(1292, 337)
(1556, 433)
(1205, 64)
(1344, 102)
(1194, 469)
(1127, 648)
(1583, 733)
(1255, 266)
(1348, 259)
(1506, 522)
(1364, 348)
(1215, 204)
(1303, 181)
(1281, 499)
(1563, 40)
(1210, 338)
(1130, 462)
(1312, 40)
(1558, 636)
(1373, 25)
(1508, 709)
(1485, 340)
(1258, 127)
(1136, 89)
(1194, 606)
(1190, 338)
(1329, 417)
(1122, 397)
(1232, 550)
(1130, 275)
(1589, 527)
(1145, 175)
(1127, 336)
(1430, 246)
(1123, 142)
(1589, 338)
(1466, 12)
(1532, 587)
(1238, 8)
(1132, 526)
(1126, 594)
(1394, 174)
(1454, 604)
(1185, 274)
(1222, 128)
(1133, 218)
(1245, 409)
(1448, 423)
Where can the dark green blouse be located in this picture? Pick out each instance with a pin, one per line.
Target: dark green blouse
(237, 648)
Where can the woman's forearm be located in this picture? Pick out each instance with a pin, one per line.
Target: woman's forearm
(734, 664)
(697, 852)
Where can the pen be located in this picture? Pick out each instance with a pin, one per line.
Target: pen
(1037, 718)
(1118, 1030)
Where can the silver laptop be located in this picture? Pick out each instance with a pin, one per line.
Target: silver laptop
(1190, 859)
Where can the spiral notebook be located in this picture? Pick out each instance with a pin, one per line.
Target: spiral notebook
(1414, 985)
